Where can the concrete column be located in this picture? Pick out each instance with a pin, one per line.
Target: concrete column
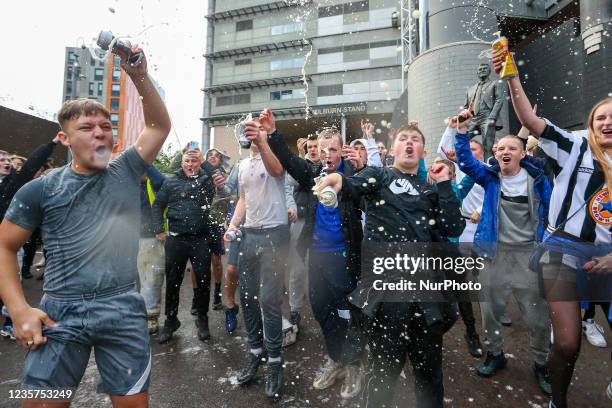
(595, 21)
(210, 36)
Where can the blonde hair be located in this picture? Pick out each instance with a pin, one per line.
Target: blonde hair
(330, 133)
(596, 148)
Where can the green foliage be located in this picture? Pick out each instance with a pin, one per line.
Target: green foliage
(167, 161)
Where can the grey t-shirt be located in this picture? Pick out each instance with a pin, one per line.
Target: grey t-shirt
(515, 223)
(90, 225)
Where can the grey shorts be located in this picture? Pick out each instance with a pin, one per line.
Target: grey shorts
(115, 326)
(233, 253)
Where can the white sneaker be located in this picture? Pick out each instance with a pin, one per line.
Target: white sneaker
(289, 333)
(594, 333)
(352, 381)
(327, 375)
(609, 390)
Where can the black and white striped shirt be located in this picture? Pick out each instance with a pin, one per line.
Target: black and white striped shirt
(578, 178)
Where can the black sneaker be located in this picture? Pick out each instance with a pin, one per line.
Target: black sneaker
(473, 343)
(202, 325)
(492, 364)
(541, 374)
(217, 302)
(274, 379)
(170, 326)
(248, 373)
(295, 318)
(194, 307)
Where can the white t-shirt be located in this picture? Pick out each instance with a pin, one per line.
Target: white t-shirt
(264, 195)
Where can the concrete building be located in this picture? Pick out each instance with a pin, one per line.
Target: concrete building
(83, 75)
(122, 100)
(563, 49)
(315, 63)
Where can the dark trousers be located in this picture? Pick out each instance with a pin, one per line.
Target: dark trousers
(179, 250)
(400, 329)
(29, 251)
(330, 282)
(261, 271)
(467, 314)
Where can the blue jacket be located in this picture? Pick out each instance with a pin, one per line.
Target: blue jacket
(485, 239)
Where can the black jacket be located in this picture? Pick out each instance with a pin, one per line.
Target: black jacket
(304, 172)
(402, 208)
(188, 201)
(14, 181)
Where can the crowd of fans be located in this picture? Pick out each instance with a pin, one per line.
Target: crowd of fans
(541, 192)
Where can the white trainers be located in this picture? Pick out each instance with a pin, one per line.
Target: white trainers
(594, 333)
(327, 375)
(352, 381)
(289, 333)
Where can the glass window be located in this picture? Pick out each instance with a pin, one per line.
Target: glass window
(116, 74)
(69, 87)
(329, 90)
(92, 88)
(114, 119)
(115, 134)
(245, 61)
(286, 28)
(114, 105)
(117, 61)
(330, 11)
(287, 64)
(99, 74)
(115, 90)
(242, 99)
(355, 6)
(244, 25)
(224, 100)
(275, 96)
(100, 89)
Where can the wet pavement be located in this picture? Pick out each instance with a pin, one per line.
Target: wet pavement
(189, 373)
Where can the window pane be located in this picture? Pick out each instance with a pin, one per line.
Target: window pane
(116, 74)
(92, 88)
(330, 11)
(99, 88)
(329, 90)
(246, 61)
(99, 74)
(114, 119)
(275, 96)
(114, 105)
(356, 6)
(242, 99)
(115, 90)
(244, 25)
(224, 100)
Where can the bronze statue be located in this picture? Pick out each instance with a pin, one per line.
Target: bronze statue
(485, 100)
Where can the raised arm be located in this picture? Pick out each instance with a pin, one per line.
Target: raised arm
(520, 102)
(36, 160)
(156, 118)
(465, 159)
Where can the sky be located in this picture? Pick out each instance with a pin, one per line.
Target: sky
(171, 32)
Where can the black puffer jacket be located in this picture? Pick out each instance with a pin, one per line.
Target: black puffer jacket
(304, 172)
(188, 201)
(14, 181)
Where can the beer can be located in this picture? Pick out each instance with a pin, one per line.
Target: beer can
(233, 235)
(509, 68)
(328, 198)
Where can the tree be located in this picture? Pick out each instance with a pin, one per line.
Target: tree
(166, 161)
